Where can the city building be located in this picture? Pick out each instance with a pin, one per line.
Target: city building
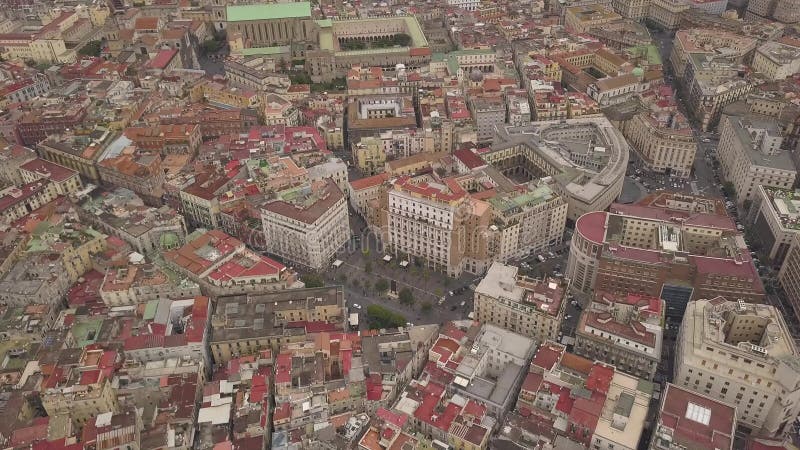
(789, 276)
(625, 331)
(481, 363)
(65, 181)
(135, 284)
(567, 401)
(582, 18)
(308, 224)
(588, 170)
(750, 153)
(741, 354)
(785, 11)
(631, 9)
(687, 419)
(123, 214)
(487, 113)
(777, 60)
(531, 307)
(775, 217)
(671, 246)
(222, 264)
(667, 13)
(661, 136)
(243, 325)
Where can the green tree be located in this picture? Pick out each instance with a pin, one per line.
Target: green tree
(380, 317)
(368, 267)
(210, 46)
(312, 280)
(381, 285)
(426, 307)
(728, 188)
(406, 296)
(92, 48)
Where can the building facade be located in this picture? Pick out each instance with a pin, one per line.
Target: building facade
(311, 231)
(531, 307)
(741, 354)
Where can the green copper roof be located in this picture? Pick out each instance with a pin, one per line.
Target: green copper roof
(242, 13)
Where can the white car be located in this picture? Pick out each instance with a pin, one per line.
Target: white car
(409, 324)
(567, 317)
(356, 306)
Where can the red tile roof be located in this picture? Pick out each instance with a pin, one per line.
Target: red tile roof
(469, 158)
(718, 434)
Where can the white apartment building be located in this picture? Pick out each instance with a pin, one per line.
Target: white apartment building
(421, 222)
(307, 225)
(749, 152)
(469, 5)
(661, 148)
(741, 354)
(777, 60)
(530, 307)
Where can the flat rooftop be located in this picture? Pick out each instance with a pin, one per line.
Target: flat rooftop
(269, 11)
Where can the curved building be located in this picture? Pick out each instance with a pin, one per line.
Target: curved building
(587, 158)
(671, 246)
(585, 249)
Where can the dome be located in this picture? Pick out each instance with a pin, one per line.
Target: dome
(638, 72)
(476, 75)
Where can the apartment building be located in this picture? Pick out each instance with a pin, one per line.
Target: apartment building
(663, 141)
(365, 189)
(134, 169)
(307, 225)
(423, 219)
(741, 354)
(487, 113)
(531, 307)
(632, 9)
(774, 215)
(671, 246)
(667, 13)
(222, 265)
(606, 408)
(18, 202)
(13, 156)
(469, 359)
(526, 222)
(583, 18)
(625, 331)
(244, 325)
(750, 152)
(123, 214)
(784, 11)
(777, 60)
(142, 283)
(789, 275)
(65, 181)
(82, 398)
(689, 420)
